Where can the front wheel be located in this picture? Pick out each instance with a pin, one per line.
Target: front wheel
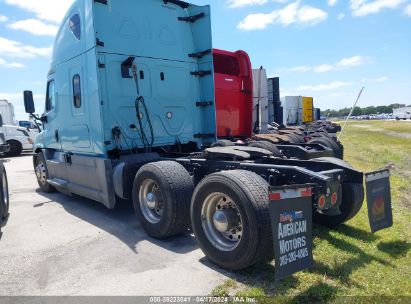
(230, 219)
(42, 174)
(4, 193)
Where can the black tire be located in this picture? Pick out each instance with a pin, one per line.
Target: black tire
(223, 143)
(352, 201)
(330, 143)
(269, 146)
(249, 191)
(296, 139)
(15, 148)
(42, 173)
(4, 193)
(174, 188)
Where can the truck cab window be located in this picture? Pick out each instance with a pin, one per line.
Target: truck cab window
(75, 26)
(50, 99)
(77, 91)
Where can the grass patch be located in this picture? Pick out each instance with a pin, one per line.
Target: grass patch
(350, 261)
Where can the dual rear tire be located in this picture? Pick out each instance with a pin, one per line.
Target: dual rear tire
(229, 211)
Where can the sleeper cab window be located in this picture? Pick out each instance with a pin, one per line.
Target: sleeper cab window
(75, 26)
(77, 91)
(50, 98)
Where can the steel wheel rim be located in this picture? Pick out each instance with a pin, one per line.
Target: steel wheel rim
(41, 173)
(227, 240)
(150, 194)
(5, 190)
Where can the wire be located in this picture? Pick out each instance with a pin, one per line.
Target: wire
(148, 144)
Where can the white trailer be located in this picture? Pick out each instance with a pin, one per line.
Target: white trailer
(260, 98)
(402, 113)
(297, 110)
(7, 112)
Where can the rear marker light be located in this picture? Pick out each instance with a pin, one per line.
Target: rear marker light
(334, 198)
(321, 201)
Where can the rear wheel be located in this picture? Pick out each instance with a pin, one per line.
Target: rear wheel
(42, 174)
(263, 144)
(330, 143)
(352, 200)
(161, 197)
(4, 194)
(15, 148)
(231, 220)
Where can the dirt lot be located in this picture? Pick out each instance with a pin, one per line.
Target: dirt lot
(60, 245)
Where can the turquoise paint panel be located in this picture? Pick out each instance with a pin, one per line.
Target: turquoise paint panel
(150, 31)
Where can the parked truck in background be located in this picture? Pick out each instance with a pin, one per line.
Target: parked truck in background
(17, 138)
(7, 112)
(255, 116)
(402, 113)
(131, 114)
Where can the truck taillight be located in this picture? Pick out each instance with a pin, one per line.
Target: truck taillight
(321, 202)
(334, 198)
(30, 140)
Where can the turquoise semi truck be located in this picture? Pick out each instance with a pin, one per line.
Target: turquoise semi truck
(130, 114)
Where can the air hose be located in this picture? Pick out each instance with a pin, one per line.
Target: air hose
(148, 143)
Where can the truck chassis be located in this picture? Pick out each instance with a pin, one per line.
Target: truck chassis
(221, 192)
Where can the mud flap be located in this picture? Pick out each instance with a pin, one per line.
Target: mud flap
(379, 199)
(291, 223)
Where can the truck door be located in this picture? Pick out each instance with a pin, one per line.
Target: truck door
(50, 118)
(76, 134)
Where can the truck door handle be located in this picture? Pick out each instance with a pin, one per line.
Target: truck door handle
(56, 135)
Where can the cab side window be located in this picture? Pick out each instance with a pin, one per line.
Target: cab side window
(77, 91)
(50, 98)
(75, 26)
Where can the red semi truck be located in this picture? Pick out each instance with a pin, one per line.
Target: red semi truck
(234, 93)
(233, 75)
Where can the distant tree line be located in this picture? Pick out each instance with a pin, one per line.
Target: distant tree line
(362, 111)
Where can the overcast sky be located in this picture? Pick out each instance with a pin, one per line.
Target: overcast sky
(327, 49)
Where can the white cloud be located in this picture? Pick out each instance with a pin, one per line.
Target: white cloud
(324, 87)
(50, 10)
(13, 65)
(243, 3)
(379, 79)
(344, 63)
(292, 13)
(322, 68)
(332, 2)
(15, 49)
(35, 27)
(3, 18)
(352, 61)
(362, 8)
(303, 68)
(408, 10)
(341, 16)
